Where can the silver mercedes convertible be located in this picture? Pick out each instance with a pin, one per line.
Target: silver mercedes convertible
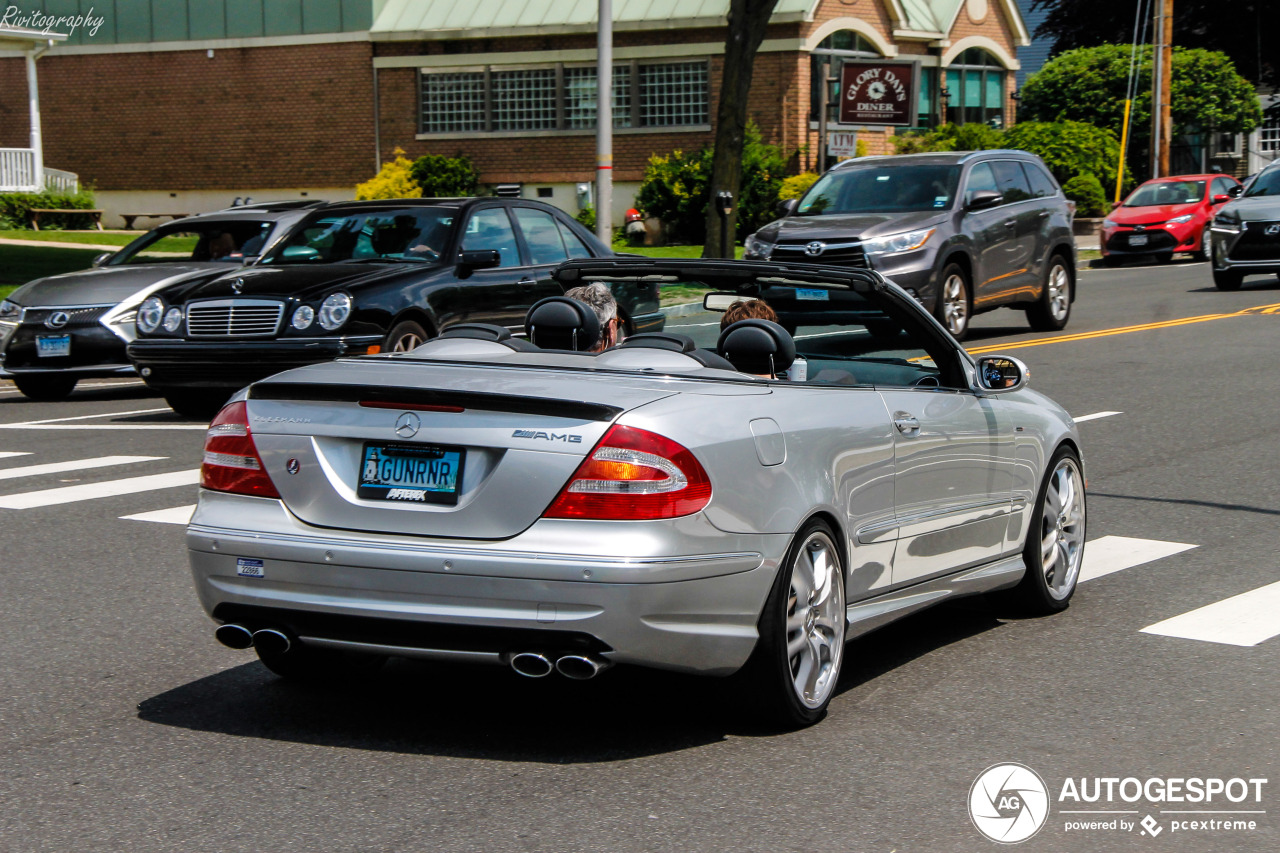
(727, 502)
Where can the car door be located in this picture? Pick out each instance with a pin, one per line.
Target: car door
(1026, 224)
(992, 233)
(492, 295)
(545, 246)
(953, 461)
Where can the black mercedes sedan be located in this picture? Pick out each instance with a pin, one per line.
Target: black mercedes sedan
(57, 330)
(359, 278)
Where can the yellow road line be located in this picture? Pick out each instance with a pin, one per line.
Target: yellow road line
(1124, 330)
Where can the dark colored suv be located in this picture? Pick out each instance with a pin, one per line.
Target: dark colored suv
(963, 232)
(1246, 232)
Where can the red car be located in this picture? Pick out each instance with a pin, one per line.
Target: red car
(1166, 215)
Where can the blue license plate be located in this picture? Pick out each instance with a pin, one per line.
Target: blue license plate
(53, 346)
(410, 473)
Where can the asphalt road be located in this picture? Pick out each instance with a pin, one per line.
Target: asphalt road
(127, 727)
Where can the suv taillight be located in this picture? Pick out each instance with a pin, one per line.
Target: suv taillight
(231, 461)
(634, 475)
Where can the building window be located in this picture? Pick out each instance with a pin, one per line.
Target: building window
(560, 97)
(452, 103)
(974, 89)
(673, 94)
(826, 60)
(1269, 135)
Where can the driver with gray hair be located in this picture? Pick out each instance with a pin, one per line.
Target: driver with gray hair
(599, 298)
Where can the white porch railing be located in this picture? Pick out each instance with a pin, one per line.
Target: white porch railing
(18, 170)
(18, 174)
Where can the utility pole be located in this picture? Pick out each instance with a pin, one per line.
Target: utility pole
(1161, 88)
(604, 123)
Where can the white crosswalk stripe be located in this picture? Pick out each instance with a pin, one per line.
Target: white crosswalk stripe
(1246, 619)
(9, 454)
(172, 515)
(107, 489)
(73, 465)
(1109, 554)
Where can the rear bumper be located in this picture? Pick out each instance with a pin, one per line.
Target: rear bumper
(695, 613)
(173, 363)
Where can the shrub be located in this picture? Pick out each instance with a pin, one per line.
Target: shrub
(1069, 148)
(392, 181)
(951, 137)
(1086, 191)
(445, 177)
(15, 209)
(587, 216)
(797, 185)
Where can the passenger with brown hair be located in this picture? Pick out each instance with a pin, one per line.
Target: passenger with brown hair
(747, 309)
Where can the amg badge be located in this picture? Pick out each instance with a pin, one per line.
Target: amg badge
(569, 438)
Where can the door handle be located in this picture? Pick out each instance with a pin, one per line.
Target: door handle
(906, 423)
(526, 281)
(1011, 223)
(1044, 214)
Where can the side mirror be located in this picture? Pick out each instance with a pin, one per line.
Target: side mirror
(1000, 374)
(720, 301)
(786, 207)
(982, 199)
(1235, 191)
(478, 259)
(1220, 199)
(103, 258)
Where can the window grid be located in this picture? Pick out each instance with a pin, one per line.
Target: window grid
(452, 102)
(1269, 136)
(580, 97)
(673, 94)
(524, 100)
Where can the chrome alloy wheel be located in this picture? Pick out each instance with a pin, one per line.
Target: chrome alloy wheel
(955, 304)
(815, 623)
(1062, 529)
(1059, 291)
(406, 342)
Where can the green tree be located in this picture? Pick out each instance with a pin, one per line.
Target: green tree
(1070, 149)
(445, 177)
(950, 137)
(1089, 85)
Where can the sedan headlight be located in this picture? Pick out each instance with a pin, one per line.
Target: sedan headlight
(904, 242)
(1178, 220)
(10, 312)
(172, 319)
(303, 317)
(150, 314)
(335, 310)
(754, 247)
(1110, 223)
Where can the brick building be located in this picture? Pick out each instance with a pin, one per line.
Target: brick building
(189, 104)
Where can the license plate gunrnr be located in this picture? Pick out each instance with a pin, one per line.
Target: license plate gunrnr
(410, 473)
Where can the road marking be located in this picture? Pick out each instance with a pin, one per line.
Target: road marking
(1123, 330)
(110, 488)
(1110, 554)
(9, 454)
(91, 417)
(73, 465)
(173, 515)
(1246, 619)
(1095, 416)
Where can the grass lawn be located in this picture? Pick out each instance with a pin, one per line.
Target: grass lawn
(93, 238)
(668, 251)
(20, 264)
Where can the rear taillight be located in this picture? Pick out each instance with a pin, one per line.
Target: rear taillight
(634, 475)
(231, 461)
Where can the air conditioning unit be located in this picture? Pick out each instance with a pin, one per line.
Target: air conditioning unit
(510, 190)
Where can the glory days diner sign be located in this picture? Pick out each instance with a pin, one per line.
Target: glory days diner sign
(878, 93)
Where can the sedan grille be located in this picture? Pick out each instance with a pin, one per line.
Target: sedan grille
(224, 318)
(85, 315)
(1255, 244)
(835, 254)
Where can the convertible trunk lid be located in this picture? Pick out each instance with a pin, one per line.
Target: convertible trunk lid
(441, 450)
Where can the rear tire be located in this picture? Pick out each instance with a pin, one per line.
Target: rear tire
(196, 405)
(793, 673)
(1227, 279)
(1052, 310)
(312, 665)
(1054, 551)
(952, 306)
(45, 388)
(405, 336)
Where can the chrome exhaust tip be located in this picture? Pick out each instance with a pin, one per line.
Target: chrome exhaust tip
(272, 642)
(531, 664)
(580, 667)
(233, 636)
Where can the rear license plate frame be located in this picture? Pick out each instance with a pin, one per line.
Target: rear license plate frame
(53, 346)
(403, 490)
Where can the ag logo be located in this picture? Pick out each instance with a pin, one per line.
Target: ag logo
(1008, 803)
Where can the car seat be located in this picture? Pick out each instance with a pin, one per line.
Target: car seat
(682, 344)
(487, 332)
(760, 347)
(559, 322)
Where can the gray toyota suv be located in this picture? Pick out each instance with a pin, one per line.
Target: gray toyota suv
(964, 232)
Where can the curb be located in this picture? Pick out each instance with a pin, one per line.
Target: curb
(682, 310)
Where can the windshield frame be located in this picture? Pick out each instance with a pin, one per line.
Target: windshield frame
(1272, 189)
(832, 180)
(1152, 185)
(296, 237)
(128, 255)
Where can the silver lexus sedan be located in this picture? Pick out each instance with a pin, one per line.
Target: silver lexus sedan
(738, 502)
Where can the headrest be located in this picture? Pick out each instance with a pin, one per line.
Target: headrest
(661, 340)
(478, 331)
(559, 322)
(755, 346)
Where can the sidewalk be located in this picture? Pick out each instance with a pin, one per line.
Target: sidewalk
(58, 244)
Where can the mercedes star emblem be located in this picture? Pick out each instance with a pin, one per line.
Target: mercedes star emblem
(407, 425)
(814, 248)
(237, 285)
(58, 319)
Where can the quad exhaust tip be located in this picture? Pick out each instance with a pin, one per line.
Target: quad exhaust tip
(271, 642)
(579, 667)
(233, 636)
(532, 664)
